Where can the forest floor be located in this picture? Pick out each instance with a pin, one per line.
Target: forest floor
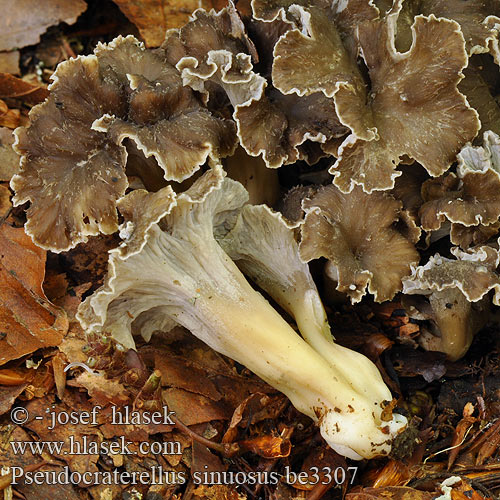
(228, 424)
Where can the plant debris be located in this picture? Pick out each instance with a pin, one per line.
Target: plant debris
(250, 252)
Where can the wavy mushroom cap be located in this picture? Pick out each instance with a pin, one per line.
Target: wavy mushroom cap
(470, 198)
(451, 286)
(481, 94)
(355, 233)
(414, 103)
(165, 120)
(313, 58)
(280, 127)
(468, 236)
(478, 20)
(71, 174)
(73, 157)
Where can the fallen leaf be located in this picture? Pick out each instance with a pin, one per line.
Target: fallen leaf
(184, 402)
(217, 492)
(55, 286)
(461, 431)
(5, 204)
(9, 62)
(16, 88)
(58, 363)
(26, 460)
(456, 393)
(102, 391)
(154, 17)
(23, 21)
(9, 159)
(204, 461)
(323, 467)
(8, 395)
(267, 446)
(394, 473)
(10, 118)
(464, 491)
(487, 444)
(10, 377)
(409, 362)
(71, 301)
(217, 372)
(53, 50)
(88, 262)
(390, 493)
(177, 371)
(253, 409)
(28, 320)
(61, 432)
(72, 346)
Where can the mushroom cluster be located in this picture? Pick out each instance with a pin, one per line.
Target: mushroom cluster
(392, 109)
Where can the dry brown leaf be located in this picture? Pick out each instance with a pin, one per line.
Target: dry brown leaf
(9, 160)
(23, 21)
(204, 461)
(325, 464)
(42, 382)
(154, 17)
(81, 463)
(28, 320)
(394, 473)
(410, 363)
(55, 285)
(71, 301)
(58, 364)
(217, 492)
(103, 391)
(462, 429)
(10, 118)
(28, 460)
(5, 204)
(267, 446)
(8, 395)
(253, 409)
(465, 491)
(191, 352)
(183, 403)
(487, 443)
(72, 346)
(9, 62)
(177, 371)
(10, 377)
(391, 493)
(13, 87)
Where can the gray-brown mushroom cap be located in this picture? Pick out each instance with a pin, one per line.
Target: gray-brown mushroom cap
(478, 20)
(416, 107)
(468, 236)
(165, 120)
(451, 286)
(213, 50)
(214, 55)
(470, 197)
(355, 233)
(279, 127)
(312, 58)
(472, 272)
(73, 161)
(480, 96)
(70, 173)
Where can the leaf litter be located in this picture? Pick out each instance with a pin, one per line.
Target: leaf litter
(229, 420)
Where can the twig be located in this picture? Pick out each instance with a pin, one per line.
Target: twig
(318, 491)
(227, 450)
